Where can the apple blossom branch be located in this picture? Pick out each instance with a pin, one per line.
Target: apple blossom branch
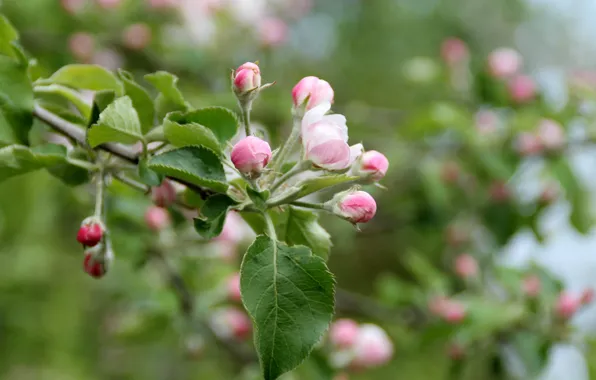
(74, 132)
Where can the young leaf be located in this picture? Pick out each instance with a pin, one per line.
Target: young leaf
(17, 159)
(313, 185)
(68, 94)
(170, 98)
(16, 102)
(119, 122)
(221, 121)
(258, 198)
(189, 134)
(140, 100)
(148, 176)
(213, 215)
(195, 164)
(289, 294)
(7, 35)
(301, 227)
(87, 77)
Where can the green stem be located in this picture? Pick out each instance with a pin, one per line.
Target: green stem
(246, 108)
(297, 169)
(270, 226)
(288, 146)
(316, 206)
(99, 185)
(82, 164)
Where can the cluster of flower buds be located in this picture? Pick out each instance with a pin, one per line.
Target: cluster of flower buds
(505, 64)
(548, 136)
(358, 346)
(449, 310)
(231, 323)
(98, 252)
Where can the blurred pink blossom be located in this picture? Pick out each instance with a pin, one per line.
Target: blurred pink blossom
(531, 285)
(466, 266)
(504, 62)
(273, 31)
(73, 6)
(551, 134)
(82, 46)
(137, 36)
(522, 88)
(109, 59)
(454, 51)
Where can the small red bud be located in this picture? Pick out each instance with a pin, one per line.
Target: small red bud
(94, 267)
(587, 296)
(90, 233)
(566, 305)
(157, 218)
(163, 195)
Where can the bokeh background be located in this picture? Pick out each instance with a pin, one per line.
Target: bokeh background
(383, 58)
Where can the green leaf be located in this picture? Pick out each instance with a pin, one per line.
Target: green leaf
(189, 134)
(213, 215)
(101, 101)
(148, 176)
(258, 198)
(140, 100)
(195, 164)
(69, 94)
(87, 77)
(581, 217)
(170, 98)
(289, 294)
(17, 159)
(119, 122)
(8, 34)
(16, 102)
(313, 185)
(212, 127)
(301, 227)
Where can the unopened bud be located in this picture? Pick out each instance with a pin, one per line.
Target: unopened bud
(551, 134)
(372, 347)
(91, 232)
(454, 51)
(273, 31)
(522, 88)
(157, 218)
(372, 165)
(354, 206)
(250, 156)
(566, 305)
(531, 286)
(504, 62)
(163, 195)
(466, 266)
(233, 288)
(97, 262)
(231, 323)
(528, 144)
(82, 46)
(246, 78)
(343, 333)
(453, 312)
(137, 36)
(313, 91)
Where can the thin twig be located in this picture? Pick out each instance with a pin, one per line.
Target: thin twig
(76, 133)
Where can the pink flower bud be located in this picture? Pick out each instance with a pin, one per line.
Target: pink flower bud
(372, 165)
(531, 286)
(551, 134)
(566, 305)
(247, 78)
(372, 347)
(486, 122)
(466, 266)
(90, 233)
(454, 51)
(137, 36)
(455, 351)
(354, 206)
(504, 62)
(108, 3)
(231, 322)
(453, 312)
(97, 262)
(233, 288)
(343, 333)
(587, 296)
(325, 139)
(499, 192)
(250, 155)
(157, 218)
(528, 144)
(163, 195)
(82, 46)
(273, 31)
(522, 88)
(316, 90)
(73, 6)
